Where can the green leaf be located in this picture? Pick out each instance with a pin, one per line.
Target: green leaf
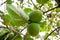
(1, 12)
(27, 10)
(58, 23)
(50, 5)
(29, 38)
(58, 10)
(9, 20)
(6, 19)
(3, 33)
(42, 1)
(9, 1)
(44, 28)
(18, 37)
(17, 22)
(48, 28)
(13, 11)
(17, 12)
(42, 23)
(16, 18)
(11, 36)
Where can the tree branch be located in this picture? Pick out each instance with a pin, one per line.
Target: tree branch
(42, 5)
(51, 33)
(50, 9)
(25, 36)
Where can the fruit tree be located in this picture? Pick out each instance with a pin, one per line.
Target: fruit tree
(30, 20)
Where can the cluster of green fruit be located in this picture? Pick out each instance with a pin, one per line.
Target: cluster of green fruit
(34, 26)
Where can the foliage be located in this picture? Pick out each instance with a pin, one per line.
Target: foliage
(44, 16)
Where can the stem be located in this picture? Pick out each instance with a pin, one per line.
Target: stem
(51, 33)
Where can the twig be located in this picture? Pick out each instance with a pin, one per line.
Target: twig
(50, 9)
(18, 33)
(3, 3)
(51, 33)
(36, 6)
(10, 28)
(25, 36)
(2, 26)
(41, 5)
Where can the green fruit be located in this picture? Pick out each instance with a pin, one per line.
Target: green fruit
(33, 29)
(35, 16)
(42, 1)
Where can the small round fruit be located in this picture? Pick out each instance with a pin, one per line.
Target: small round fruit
(33, 29)
(35, 16)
